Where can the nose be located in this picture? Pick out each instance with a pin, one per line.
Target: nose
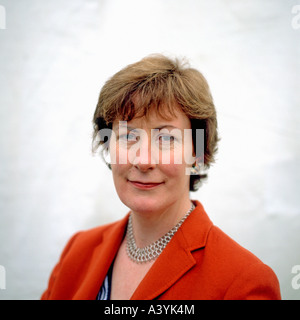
(144, 159)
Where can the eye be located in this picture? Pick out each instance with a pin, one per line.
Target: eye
(130, 137)
(166, 139)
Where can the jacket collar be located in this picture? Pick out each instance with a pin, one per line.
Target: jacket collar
(177, 258)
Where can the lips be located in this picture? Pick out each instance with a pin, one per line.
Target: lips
(145, 185)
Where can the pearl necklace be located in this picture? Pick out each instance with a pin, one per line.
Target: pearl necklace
(153, 250)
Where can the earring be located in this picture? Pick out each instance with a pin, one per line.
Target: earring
(195, 169)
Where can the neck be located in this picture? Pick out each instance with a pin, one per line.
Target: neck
(149, 227)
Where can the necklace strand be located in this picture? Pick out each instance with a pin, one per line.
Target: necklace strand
(153, 250)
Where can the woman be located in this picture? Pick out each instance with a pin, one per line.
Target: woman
(156, 119)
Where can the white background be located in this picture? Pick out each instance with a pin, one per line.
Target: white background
(54, 58)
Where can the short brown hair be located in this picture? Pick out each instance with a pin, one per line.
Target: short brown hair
(159, 82)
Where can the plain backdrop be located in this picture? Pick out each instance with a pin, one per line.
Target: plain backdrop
(54, 58)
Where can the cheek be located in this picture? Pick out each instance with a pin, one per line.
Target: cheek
(183, 152)
(118, 155)
(175, 173)
(118, 172)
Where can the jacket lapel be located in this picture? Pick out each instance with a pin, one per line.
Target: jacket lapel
(101, 260)
(177, 257)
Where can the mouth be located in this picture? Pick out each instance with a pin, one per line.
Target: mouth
(145, 185)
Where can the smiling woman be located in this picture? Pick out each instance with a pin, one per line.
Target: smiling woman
(167, 183)
(147, 119)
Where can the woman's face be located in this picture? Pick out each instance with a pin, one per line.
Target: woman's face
(150, 158)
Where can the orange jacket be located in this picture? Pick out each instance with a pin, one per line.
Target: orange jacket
(200, 262)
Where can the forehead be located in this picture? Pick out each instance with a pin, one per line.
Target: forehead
(154, 119)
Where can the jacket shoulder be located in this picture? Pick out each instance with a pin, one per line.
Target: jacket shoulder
(247, 277)
(218, 239)
(94, 236)
(85, 241)
(81, 252)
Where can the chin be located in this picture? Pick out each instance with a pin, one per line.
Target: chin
(143, 204)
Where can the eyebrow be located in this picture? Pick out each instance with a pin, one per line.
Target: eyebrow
(166, 126)
(157, 128)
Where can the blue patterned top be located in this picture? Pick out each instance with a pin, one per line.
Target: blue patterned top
(104, 292)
